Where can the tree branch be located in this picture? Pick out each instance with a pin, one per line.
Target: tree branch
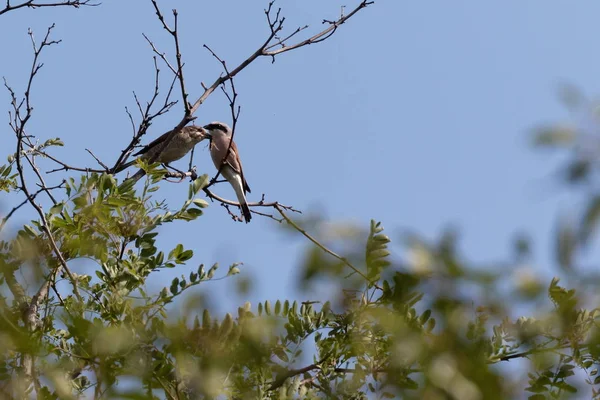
(234, 115)
(33, 4)
(146, 115)
(275, 26)
(322, 247)
(18, 124)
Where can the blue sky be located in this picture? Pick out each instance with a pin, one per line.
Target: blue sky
(416, 114)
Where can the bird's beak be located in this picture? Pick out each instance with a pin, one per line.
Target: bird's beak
(206, 133)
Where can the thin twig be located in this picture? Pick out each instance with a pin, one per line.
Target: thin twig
(147, 117)
(97, 160)
(321, 36)
(234, 115)
(322, 247)
(18, 122)
(528, 353)
(34, 195)
(33, 4)
(275, 23)
(275, 204)
(65, 166)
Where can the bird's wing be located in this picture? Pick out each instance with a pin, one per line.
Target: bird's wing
(152, 144)
(218, 151)
(233, 160)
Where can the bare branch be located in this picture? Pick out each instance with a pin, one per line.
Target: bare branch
(235, 113)
(321, 36)
(275, 23)
(21, 114)
(261, 203)
(33, 4)
(147, 117)
(323, 247)
(188, 117)
(18, 124)
(97, 160)
(33, 196)
(163, 56)
(294, 372)
(281, 42)
(173, 32)
(275, 26)
(65, 166)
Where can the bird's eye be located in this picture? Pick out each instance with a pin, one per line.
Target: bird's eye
(216, 127)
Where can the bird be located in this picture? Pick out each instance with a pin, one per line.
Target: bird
(226, 158)
(162, 152)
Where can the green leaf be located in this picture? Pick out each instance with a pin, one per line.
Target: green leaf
(376, 251)
(32, 232)
(80, 201)
(200, 183)
(226, 326)
(174, 288)
(126, 186)
(212, 270)
(591, 218)
(194, 213)
(184, 256)
(536, 397)
(174, 254)
(160, 257)
(233, 269)
(53, 142)
(200, 203)
(280, 352)
(566, 387)
(566, 243)
(554, 136)
(206, 319)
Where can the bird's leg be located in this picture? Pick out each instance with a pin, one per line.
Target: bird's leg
(166, 165)
(193, 174)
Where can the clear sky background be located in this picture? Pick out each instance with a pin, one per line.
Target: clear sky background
(417, 114)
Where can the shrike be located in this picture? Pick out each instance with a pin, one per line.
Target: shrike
(228, 163)
(165, 153)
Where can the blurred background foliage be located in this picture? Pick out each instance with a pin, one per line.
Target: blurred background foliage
(406, 317)
(419, 322)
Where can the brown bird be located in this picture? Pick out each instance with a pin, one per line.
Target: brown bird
(220, 137)
(165, 153)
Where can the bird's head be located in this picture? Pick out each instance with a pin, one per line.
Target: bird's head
(217, 128)
(197, 133)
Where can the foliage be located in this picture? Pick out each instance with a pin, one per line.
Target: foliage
(409, 330)
(418, 323)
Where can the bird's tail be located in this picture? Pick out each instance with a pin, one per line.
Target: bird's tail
(124, 166)
(236, 182)
(243, 204)
(136, 177)
(246, 212)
